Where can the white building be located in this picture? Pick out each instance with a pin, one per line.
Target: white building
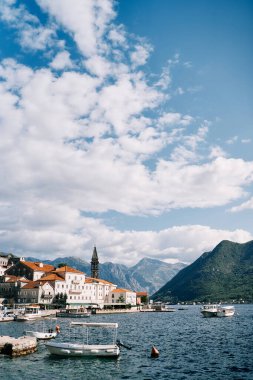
(122, 297)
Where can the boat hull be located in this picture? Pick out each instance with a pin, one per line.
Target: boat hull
(209, 311)
(6, 318)
(42, 335)
(209, 314)
(225, 312)
(69, 349)
(72, 315)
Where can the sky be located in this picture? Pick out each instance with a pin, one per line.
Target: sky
(127, 125)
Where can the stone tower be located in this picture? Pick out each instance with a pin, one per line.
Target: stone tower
(94, 264)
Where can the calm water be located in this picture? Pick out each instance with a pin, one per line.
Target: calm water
(191, 347)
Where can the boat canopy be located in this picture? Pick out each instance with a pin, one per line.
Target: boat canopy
(89, 324)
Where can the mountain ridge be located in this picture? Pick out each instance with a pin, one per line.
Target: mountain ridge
(147, 275)
(225, 273)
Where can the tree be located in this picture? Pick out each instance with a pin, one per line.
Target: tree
(60, 265)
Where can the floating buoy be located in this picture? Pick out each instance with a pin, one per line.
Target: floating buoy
(57, 329)
(154, 352)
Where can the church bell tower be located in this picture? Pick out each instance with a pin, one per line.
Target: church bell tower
(94, 264)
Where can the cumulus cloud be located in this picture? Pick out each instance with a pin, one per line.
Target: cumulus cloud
(248, 205)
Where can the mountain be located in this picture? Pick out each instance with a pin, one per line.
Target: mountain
(148, 274)
(224, 274)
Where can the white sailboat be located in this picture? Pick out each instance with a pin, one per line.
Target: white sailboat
(85, 348)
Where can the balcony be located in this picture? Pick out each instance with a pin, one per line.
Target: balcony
(75, 282)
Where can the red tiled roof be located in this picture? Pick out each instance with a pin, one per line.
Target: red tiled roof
(67, 269)
(36, 266)
(11, 278)
(141, 294)
(119, 290)
(51, 277)
(99, 280)
(31, 285)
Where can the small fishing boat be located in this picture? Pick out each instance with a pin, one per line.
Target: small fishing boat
(85, 348)
(217, 310)
(44, 332)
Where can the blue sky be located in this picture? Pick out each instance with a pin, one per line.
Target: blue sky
(127, 125)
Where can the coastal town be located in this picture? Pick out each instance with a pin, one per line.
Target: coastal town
(25, 282)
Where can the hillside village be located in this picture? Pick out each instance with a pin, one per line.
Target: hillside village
(23, 282)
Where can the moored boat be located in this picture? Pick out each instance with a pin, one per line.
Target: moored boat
(31, 313)
(6, 318)
(68, 313)
(87, 349)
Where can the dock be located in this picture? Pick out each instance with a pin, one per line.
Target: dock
(17, 346)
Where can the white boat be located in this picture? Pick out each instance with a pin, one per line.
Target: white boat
(85, 348)
(31, 313)
(43, 331)
(226, 311)
(68, 313)
(217, 310)
(209, 310)
(6, 318)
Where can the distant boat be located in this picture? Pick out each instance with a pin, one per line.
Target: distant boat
(226, 311)
(68, 313)
(86, 349)
(217, 310)
(31, 313)
(44, 332)
(160, 307)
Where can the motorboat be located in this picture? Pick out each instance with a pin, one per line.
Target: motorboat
(44, 332)
(217, 310)
(88, 346)
(209, 311)
(31, 313)
(68, 313)
(42, 335)
(6, 317)
(226, 311)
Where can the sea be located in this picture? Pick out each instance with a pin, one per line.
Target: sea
(190, 347)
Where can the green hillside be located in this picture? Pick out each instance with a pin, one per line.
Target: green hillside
(225, 274)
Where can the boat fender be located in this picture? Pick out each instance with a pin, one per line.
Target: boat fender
(57, 329)
(154, 352)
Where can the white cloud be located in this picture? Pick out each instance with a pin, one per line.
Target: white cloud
(62, 61)
(232, 140)
(86, 20)
(174, 118)
(248, 205)
(140, 55)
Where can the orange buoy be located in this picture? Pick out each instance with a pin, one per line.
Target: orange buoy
(154, 352)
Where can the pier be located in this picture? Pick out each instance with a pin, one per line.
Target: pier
(17, 346)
